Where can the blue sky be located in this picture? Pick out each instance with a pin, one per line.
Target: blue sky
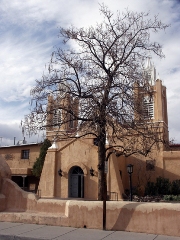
(29, 31)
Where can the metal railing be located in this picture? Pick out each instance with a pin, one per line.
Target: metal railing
(112, 196)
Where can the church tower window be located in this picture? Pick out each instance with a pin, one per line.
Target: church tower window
(71, 120)
(57, 117)
(148, 107)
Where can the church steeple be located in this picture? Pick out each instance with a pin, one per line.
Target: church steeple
(149, 71)
(62, 89)
(62, 112)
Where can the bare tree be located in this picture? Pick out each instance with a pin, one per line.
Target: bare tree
(97, 86)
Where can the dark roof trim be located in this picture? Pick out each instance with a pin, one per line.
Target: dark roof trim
(175, 145)
(22, 145)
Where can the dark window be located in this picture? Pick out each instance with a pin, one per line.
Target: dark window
(77, 170)
(150, 165)
(120, 172)
(148, 107)
(95, 141)
(25, 154)
(71, 120)
(57, 117)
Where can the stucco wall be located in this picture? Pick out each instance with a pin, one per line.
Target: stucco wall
(12, 155)
(171, 163)
(84, 155)
(156, 218)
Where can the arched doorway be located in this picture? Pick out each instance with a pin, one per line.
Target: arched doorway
(76, 182)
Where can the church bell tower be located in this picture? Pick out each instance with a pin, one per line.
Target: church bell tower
(157, 104)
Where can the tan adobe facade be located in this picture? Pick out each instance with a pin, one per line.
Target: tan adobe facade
(66, 172)
(20, 206)
(20, 159)
(71, 166)
(69, 163)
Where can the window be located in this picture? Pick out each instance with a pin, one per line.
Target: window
(71, 120)
(77, 170)
(150, 165)
(25, 154)
(148, 107)
(120, 172)
(57, 117)
(95, 141)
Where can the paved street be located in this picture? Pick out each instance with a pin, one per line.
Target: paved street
(18, 231)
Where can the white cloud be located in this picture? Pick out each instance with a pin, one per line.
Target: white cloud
(28, 32)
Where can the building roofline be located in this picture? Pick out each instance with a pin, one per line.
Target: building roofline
(21, 145)
(175, 145)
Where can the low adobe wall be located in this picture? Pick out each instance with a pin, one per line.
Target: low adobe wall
(2, 202)
(155, 218)
(18, 200)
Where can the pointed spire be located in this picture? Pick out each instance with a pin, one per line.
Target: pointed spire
(150, 71)
(54, 145)
(107, 142)
(62, 88)
(148, 65)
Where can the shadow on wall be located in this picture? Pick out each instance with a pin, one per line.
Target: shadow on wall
(5, 171)
(156, 218)
(17, 199)
(149, 170)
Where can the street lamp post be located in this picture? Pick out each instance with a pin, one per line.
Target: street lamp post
(130, 171)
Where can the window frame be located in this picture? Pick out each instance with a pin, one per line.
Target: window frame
(25, 153)
(150, 165)
(56, 121)
(148, 107)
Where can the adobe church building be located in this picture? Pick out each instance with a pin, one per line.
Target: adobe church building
(71, 166)
(71, 171)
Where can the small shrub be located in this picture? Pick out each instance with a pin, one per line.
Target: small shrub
(175, 187)
(171, 198)
(163, 186)
(150, 189)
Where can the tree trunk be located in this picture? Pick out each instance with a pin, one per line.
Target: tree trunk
(101, 160)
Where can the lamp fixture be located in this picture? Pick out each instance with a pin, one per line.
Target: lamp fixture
(60, 172)
(130, 168)
(91, 172)
(130, 171)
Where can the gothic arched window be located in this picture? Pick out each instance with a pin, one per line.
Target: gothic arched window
(148, 107)
(57, 117)
(71, 120)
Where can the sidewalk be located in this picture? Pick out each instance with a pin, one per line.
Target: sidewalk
(18, 231)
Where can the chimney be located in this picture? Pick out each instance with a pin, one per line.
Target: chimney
(24, 141)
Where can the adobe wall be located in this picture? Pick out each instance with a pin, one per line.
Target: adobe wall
(171, 165)
(155, 218)
(67, 156)
(12, 155)
(167, 165)
(18, 200)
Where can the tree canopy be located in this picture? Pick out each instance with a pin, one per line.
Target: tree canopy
(97, 81)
